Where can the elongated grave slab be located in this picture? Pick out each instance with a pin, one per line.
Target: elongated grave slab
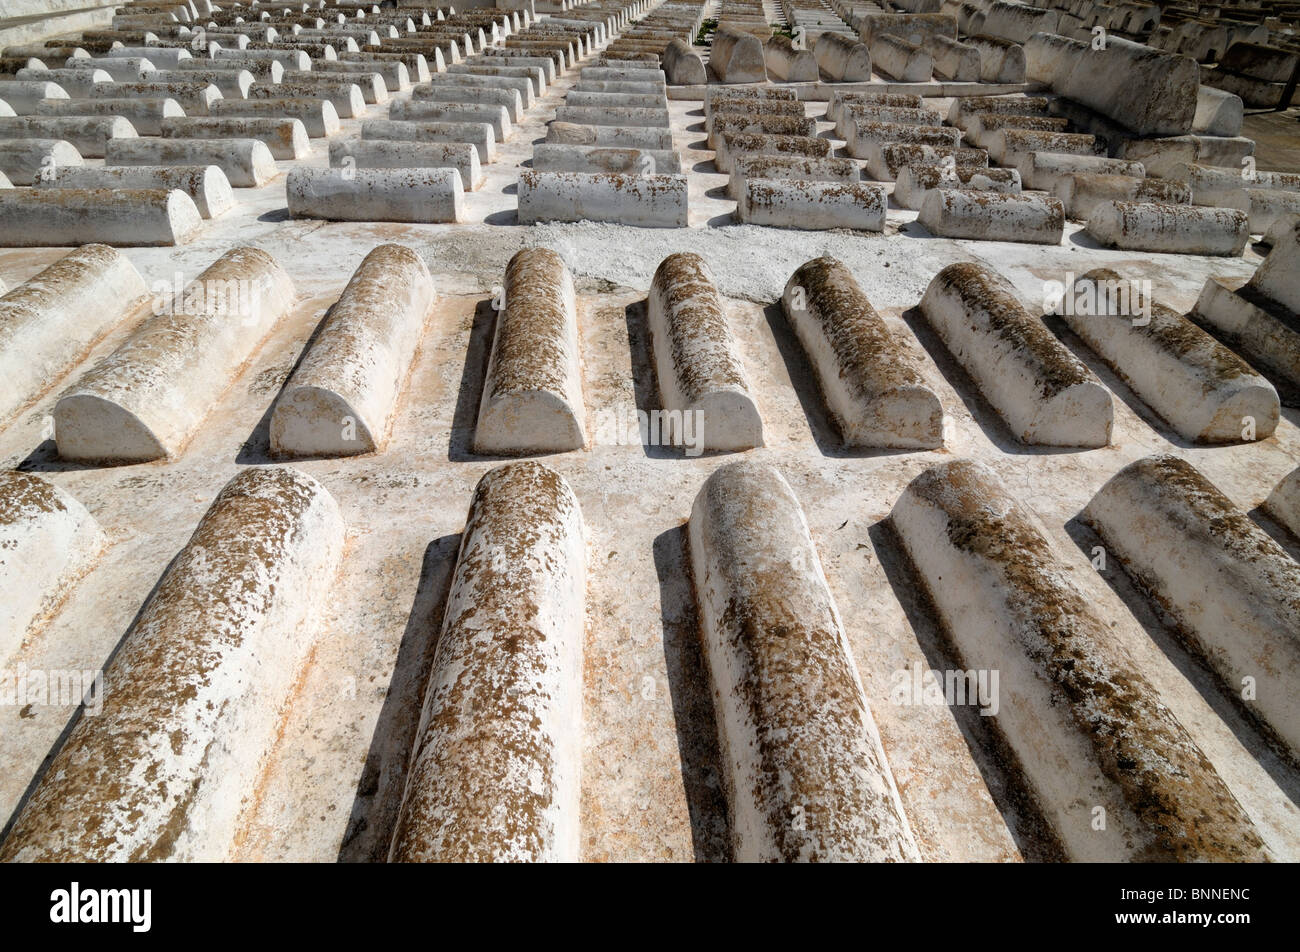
(146, 399)
(247, 163)
(532, 392)
(341, 397)
(195, 693)
(206, 185)
(1231, 592)
(786, 203)
(1258, 320)
(993, 216)
(1284, 502)
(24, 161)
(1176, 229)
(495, 771)
(144, 115)
(362, 194)
(1045, 394)
(285, 137)
(50, 321)
(1082, 192)
(652, 201)
(317, 116)
(697, 358)
(803, 767)
(869, 380)
(421, 150)
(914, 182)
(125, 217)
(1202, 389)
(47, 541)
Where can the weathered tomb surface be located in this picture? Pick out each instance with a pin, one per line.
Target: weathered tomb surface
(408, 507)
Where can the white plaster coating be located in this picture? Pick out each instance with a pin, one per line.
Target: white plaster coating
(340, 398)
(797, 167)
(523, 85)
(1218, 113)
(560, 157)
(194, 95)
(145, 400)
(163, 57)
(737, 56)
(233, 82)
(841, 58)
(627, 137)
(613, 116)
(122, 69)
(682, 65)
(734, 144)
(69, 83)
(421, 127)
(376, 194)
(1149, 91)
(897, 58)
(534, 74)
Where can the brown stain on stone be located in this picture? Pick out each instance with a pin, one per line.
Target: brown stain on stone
(979, 287)
(699, 338)
(528, 349)
(740, 142)
(764, 123)
(23, 496)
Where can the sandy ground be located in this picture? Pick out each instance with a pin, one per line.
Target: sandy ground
(329, 788)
